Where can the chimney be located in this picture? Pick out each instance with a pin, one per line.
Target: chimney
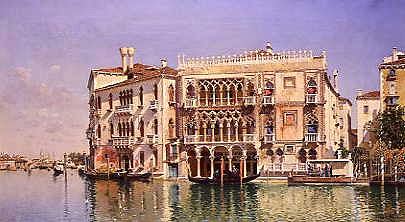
(163, 63)
(131, 53)
(124, 53)
(336, 80)
(359, 92)
(394, 54)
(269, 49)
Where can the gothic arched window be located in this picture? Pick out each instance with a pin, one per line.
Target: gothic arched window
(141, 96)
(110, 100)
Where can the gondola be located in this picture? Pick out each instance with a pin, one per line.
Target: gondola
(228, 178)
(58, 169)
(105, 176)
(139, 176)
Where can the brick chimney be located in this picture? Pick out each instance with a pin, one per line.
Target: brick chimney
(163, 63)
(269, 48)
(394, 54)
(124, 53)
(131, 53)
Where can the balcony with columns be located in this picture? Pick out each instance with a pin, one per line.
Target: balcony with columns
(311, 137)
(230, 138)
(312, 99)
(190, 103)
(122, 140)
(124, 109)
(152, 139)
(268, 100)
(269, 138)
(154, 104)
(249, 101)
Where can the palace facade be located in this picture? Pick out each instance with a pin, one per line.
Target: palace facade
(258, 111)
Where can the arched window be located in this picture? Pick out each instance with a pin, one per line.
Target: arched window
(132, 128)
(302, 155)
(269, 127)
(119, 129)
(121, 103)
(99, 102)
(128, 129)
(250, 89)
(142, 128)
(111, 129)
(98, 131)
(190, 91)
(171, 93)
(268, 88)
(203, 96)
(110, 100)
(155, 91)
(141, 96)
(312, 87)
(312, 127)
(171, 128)
(312, 154)
(131, 94)
(155, 126)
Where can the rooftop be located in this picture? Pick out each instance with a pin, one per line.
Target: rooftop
(369, 95)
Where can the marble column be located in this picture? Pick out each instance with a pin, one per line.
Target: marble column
(212, 158)
(199, 166)
(244, 162)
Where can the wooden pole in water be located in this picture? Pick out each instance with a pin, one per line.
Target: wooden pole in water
(108, 167)
(382, 170)
(222, 170)
(64, 163)
(241, 171)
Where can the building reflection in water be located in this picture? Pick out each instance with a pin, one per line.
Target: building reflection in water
(166, 201)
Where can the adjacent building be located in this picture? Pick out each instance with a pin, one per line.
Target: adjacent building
(368, 106)
(260, 110)
(132, 114)
(392, 77)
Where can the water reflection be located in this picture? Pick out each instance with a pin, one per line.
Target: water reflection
(72, 198)
(192, 202)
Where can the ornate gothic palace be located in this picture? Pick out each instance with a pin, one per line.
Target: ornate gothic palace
(263, 110)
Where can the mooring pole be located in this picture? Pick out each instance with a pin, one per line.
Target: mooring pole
(64, 163)
(382, 170)
(108, 166)
(222, 170)
(396, 173)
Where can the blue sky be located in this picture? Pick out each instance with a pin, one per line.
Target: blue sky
(48, 48)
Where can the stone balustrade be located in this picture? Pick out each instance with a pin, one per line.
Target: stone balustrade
(252, 57)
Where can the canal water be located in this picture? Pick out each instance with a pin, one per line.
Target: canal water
(42, 197)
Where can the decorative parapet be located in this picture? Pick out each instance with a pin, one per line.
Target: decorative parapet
(252, 57)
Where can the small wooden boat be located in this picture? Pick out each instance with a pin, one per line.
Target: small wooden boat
(228, 178)
(316, 180)
(58, 169)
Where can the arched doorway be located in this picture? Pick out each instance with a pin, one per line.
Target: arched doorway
(192, 162)
(205, 162)
(251, 161)
(220, 152)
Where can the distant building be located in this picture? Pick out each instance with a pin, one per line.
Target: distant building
(12, 162)
(368, 106)
(392, 79)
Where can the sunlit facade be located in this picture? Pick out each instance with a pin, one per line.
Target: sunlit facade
(261, 110)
